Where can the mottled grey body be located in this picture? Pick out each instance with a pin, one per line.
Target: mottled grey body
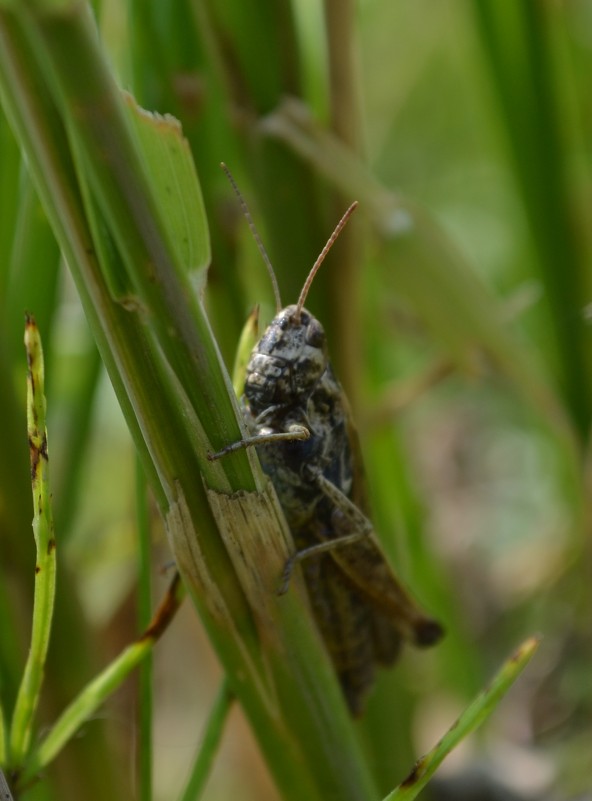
(360, 607)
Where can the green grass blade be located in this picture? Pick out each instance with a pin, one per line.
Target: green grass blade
(246, 342)
(523, 47)
(45, 544)
(34, 272)
(475, 714)
(172, 174)
(10, 167)
(209, 744)
(3, 736)
(95, 693)
(137, 223)
(145, 688)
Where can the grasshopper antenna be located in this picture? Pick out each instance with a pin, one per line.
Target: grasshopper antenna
(321, 259)
(256, 237)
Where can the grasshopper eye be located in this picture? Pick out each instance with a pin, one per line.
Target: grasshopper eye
(315, 335)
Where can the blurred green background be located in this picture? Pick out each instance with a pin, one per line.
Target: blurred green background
(462, 336)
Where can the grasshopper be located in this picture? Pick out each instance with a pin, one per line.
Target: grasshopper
(301, 426)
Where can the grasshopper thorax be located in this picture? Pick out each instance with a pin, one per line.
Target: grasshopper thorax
(287, 362)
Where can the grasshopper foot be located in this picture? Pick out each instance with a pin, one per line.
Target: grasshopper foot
(286, 576)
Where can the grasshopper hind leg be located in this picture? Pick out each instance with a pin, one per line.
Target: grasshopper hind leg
(388, 641)
(356, 640)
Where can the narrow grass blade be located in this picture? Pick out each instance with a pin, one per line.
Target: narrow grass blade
(3, 736)
(45, 566)
(145, 705)
(209, 744)
(103, 686)
(247, 340)
(480, 709)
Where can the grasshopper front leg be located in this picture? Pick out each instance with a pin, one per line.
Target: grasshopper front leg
(295, 432)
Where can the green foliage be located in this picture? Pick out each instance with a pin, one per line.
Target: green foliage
(456, 307)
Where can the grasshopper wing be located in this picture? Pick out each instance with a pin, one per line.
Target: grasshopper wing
(368, 570)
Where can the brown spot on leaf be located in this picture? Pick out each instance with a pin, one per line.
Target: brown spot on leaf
(34, 457)
(416, 773)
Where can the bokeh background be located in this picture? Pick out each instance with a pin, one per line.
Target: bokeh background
(463, 340)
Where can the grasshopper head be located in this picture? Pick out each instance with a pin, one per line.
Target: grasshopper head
(287, 362)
